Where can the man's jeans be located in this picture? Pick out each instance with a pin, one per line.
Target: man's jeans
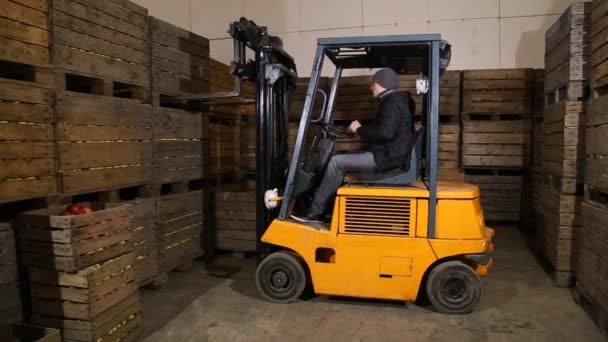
(334, 176)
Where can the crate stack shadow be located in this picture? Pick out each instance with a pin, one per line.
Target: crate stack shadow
(566, 87)
(10, 303)
(81, 272)
(591, 291)
(531, 214)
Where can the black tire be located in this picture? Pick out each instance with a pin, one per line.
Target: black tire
(453, 288)
(280, 277)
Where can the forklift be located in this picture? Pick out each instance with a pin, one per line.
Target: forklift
(396, 235)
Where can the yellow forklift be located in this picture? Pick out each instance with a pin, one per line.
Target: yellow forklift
(395, 235)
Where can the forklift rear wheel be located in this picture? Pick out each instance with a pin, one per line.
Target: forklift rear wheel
(280, 277)
(453, 288)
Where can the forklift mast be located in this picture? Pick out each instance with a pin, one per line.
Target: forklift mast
(275, 75)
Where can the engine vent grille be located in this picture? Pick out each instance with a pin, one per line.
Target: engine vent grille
(378, 216)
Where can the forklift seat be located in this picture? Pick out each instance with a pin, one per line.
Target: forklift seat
(404, 175)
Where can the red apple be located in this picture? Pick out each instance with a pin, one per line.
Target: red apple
(86, 210)
(75, 208)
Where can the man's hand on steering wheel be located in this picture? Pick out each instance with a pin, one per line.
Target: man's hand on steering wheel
(336, 131)
(354, 126)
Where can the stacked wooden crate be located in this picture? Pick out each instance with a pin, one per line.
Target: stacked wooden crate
(235, 218)
(180, 227)
(179, 62)
(101, 47)
(567, 55)
(144, 238)
(10, 304)
(181, 145)
(232, 133)
(566, 81)
(27, 99)
(104, 126)
(497, 106)
(81, 273)
(592, 266)
(103, 143)
(180, 67)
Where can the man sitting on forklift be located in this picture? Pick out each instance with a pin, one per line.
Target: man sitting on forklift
(390, 137)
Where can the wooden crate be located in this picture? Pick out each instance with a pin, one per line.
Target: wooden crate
(180, 226)
(235, 214)
(101, 47)
(121, 322)
(27, 134)
(500, 191)
(450, 87)
(181, 150)
(596, 167)
(599, 40)
(495, 143)
(103, 143)
(561, 222)
(592, 263)
(296, 104)
(144, 239)
(449, 146)
(247, 149)
(84, 294)
(222, 80)
(563, 142)
(30, 333)
(71, 243)
(233, 140)
(568, 55)
(180, 61)
(497, 91)
(355, 102)
(25, 33)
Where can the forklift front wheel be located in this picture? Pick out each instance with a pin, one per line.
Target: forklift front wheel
(453, 288)
(280, 277)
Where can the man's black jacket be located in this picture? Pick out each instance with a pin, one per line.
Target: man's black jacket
(391, 135)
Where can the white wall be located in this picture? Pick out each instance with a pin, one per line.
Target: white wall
(483, 33)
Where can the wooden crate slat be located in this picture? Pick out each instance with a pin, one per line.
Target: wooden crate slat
(27, 92)
(24, 33)
(88, 63)
(85, 42)
(104, 179)
(96, 12)
(15, 11)
(102, 133)
(76, 24)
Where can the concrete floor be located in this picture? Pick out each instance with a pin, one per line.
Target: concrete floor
(221, 304)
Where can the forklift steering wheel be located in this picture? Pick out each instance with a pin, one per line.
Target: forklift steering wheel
(335, 131)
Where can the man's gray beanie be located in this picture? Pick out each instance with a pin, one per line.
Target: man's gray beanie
(387, 78)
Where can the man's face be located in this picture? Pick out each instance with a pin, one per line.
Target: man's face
(376, 89)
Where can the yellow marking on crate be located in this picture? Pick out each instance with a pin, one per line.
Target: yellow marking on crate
(182, 217)
(181, 230)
